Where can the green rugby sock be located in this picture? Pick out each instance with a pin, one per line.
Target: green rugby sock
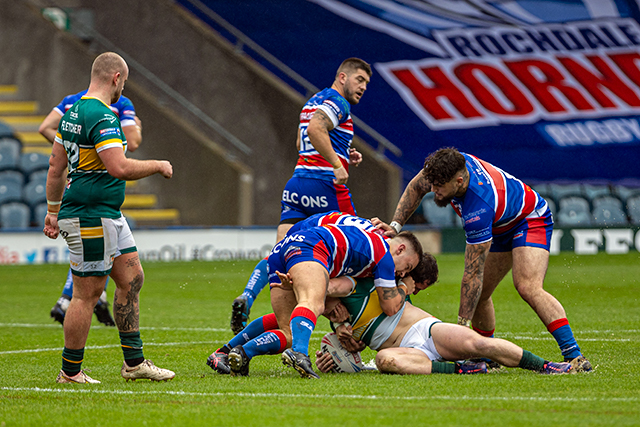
(72, 361)
(531, 362)
(131, 344)
(443, 368)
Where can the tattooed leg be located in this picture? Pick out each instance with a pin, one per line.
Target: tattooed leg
(129, 277)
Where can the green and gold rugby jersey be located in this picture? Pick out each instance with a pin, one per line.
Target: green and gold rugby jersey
(368, 321)
(87, 128)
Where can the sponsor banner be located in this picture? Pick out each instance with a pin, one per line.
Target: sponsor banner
(153, 245)
(581, 241)
(545, 89)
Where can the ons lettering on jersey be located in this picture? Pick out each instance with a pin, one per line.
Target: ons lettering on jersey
(110, 131)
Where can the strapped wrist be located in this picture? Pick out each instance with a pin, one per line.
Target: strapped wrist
(396, 226)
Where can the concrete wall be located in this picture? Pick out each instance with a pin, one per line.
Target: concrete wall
(232, 89)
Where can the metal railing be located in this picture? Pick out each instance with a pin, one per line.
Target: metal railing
(241, 41)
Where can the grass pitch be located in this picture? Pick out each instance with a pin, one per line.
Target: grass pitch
(185, 310)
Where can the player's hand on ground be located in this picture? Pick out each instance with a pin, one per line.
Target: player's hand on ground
(342, 176)
(324, 362)
(355, 157)
(51, 229)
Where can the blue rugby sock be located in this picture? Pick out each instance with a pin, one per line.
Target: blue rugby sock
(561, 331)
(302, 324)
(257, 281)
(271, 342)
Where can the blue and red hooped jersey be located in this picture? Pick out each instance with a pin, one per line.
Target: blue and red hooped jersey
(311, 164)
(347, 250)
(337, 218)
(495, 201)
(123, 108)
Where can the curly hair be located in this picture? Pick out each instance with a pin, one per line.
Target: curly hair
(426, 271)
(441, 166)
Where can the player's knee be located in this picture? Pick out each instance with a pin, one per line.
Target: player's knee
(386, 362)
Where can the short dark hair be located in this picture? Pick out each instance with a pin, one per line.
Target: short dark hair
(441, 166)
(351, 65)
(413, 241)
(426, 271)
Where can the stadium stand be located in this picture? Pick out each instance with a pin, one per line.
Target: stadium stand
(437, 216)
(560, 191)
(9, 153)
(38, 214)
(15, 215)
(574, 211)
(11, 183)
(633, 209)
(31, 162)
(35, 191)
(608, 212)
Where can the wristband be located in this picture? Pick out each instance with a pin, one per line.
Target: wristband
(337, 167)
(396, 226)
(52, 213)
(50, 202)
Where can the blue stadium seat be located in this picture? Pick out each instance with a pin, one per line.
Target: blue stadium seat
(15, 215)
(633, 209)
(5, 130)
(39, 212)
(9, 153)
(559, 191)
(574, 211)
(35, 191)
(437, 216)
(31, 162)
(608, 212)
(11, 183)
(592, 192)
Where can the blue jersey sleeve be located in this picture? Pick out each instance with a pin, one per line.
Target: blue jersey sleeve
(477, 220)
(384, 276)
(337, 108)
(126, 111)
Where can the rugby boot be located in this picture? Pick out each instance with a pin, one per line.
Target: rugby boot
(300, 362)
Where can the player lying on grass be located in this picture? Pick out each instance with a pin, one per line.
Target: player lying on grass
(414, 342)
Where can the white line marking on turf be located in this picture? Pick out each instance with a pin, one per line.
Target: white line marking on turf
(328, 396)
(521, 335)
(94, 347)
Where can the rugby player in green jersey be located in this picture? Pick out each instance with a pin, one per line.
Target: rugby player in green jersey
(89, 146)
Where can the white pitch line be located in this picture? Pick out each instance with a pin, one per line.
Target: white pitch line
(326, 396)
(94, 347)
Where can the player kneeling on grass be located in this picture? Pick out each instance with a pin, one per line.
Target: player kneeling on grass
(414, 342)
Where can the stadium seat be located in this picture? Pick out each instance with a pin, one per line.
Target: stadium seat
(608, 211)
(39, 212)
(559, 191)
(31, 162)
(5, 130)
(574, 211)
(15, 215)
(633, 209)
(11, 183)
(623, 192)
(435, 215)
(592, 192)
(9, 153)
(35, 191)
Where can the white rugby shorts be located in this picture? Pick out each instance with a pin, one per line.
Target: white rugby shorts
(419, 337)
